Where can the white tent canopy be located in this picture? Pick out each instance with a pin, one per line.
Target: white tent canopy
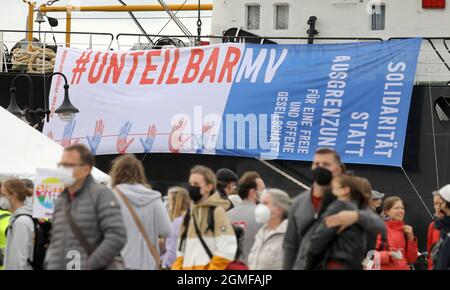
(23, 149)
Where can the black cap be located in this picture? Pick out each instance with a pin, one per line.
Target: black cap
(226, 175)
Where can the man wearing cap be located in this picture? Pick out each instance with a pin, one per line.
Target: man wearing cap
(441, 254)
(376, 200)
(226, 185)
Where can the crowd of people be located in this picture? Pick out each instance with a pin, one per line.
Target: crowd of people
(219, 221)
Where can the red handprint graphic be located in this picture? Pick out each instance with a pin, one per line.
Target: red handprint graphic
(122, 144)
(176, 138)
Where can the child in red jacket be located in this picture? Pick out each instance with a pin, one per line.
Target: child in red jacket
(401, 248)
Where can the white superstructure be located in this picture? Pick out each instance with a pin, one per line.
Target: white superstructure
(347, 18)
(335, 18)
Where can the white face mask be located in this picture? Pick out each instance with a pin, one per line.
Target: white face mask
(262, 214)
(65, 175)
(4, 203)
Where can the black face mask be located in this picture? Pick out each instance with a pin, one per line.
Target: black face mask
(194, 193)
(322, 176)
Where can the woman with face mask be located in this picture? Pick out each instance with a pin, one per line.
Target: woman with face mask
(20, 232)
(207, 239)
(401, 247)
(331, 248)
(271, 212)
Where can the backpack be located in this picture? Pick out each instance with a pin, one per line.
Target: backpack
(41, 241)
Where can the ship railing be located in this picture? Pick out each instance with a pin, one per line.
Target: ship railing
(38, 56)
(132, 41)
(433, 65)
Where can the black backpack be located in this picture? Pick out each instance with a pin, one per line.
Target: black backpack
(41, 241)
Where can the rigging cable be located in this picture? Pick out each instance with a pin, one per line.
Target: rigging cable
(433, 131)
(199, 23)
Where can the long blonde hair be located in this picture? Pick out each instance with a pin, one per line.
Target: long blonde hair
(179, 201)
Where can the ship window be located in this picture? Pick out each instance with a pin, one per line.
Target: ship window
(378, 16)
(433, 4)
(253, 16)
(281, 16)
(442, 108)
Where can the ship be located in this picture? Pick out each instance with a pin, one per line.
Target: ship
(426, 159)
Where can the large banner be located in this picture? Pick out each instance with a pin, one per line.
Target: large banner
(263, 101)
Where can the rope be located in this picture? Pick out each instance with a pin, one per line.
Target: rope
(284, 174)
(417, 192)
(434, 133)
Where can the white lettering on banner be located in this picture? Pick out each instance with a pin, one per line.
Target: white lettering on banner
(277, 122)
(250, 68)
(290, 138)
(272, 68)
(357, 134)
(331, 112)
(385, 138)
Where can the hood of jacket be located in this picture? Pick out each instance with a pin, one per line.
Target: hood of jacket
(138, 194)
(214, 200)
(24, 210)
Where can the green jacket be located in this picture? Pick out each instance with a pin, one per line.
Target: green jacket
(4, 221)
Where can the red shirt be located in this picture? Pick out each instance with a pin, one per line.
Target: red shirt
(316, 201)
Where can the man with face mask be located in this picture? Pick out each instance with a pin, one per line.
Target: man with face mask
(250, 188)
(87, 219)
(306, 208)
(207, 240)
(226, 186)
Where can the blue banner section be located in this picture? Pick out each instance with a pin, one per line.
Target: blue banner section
(287, 101)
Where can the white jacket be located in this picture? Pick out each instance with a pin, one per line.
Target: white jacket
(267, 251)
(153, 215)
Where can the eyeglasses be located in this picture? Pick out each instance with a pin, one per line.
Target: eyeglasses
(61, 164)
